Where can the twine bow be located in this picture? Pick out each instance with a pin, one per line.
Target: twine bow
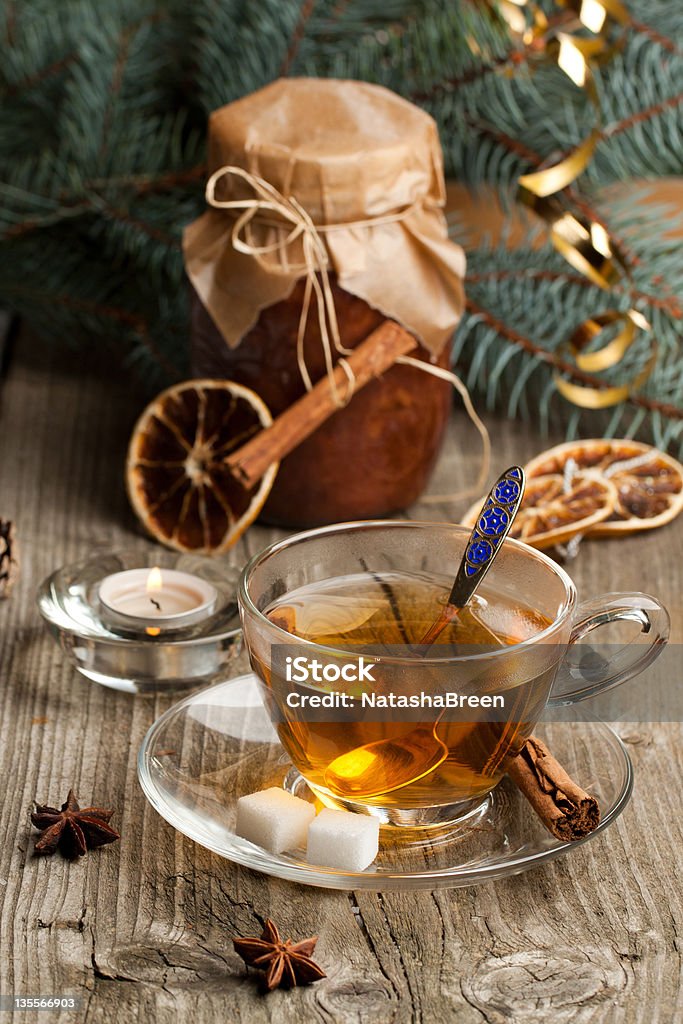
(267, 200)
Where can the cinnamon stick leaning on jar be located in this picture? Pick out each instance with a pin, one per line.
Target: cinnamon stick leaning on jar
(566, 810)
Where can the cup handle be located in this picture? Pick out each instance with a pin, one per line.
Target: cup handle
(590, 674)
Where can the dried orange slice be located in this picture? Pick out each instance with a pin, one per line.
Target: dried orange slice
(176, 476)
(649, 482)
(552, 511)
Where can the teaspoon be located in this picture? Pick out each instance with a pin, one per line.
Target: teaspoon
(386, 765)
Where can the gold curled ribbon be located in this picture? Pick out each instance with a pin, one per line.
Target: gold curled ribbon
(593, 13)
(583, 243)
(604, 358)
(554, 179)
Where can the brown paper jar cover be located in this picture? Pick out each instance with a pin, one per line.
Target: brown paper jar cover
(366, 165)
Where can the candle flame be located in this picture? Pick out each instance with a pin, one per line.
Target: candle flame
(154, 580)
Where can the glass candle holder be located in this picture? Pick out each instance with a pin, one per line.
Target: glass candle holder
(135, 654)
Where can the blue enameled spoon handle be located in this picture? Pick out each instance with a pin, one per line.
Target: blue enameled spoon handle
(490, 530)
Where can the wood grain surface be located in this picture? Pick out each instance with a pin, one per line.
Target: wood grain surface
(141, 929)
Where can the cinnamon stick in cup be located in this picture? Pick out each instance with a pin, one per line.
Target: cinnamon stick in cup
(566, 810)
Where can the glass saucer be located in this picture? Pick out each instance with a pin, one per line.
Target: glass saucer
(219, 744)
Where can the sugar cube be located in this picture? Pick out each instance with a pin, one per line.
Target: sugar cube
(274, 819)
(342, 839)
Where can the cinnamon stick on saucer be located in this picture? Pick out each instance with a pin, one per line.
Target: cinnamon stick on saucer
(565, 809)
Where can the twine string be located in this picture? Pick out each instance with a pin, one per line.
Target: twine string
(315, 269)
(452, 378)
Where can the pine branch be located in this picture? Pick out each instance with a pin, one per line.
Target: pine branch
(641, 116)
(33, 81)
(516, 56)
(10, 21)
(63, 63)
(669, 303)
(564, 366)
(116, 84)
(657, 37)
(94, 206)
(144, 184)
(626, 123)
(511, 144)
(171, 241)
(306, 11)
(137, 323)
(453, 83)
(339, 9)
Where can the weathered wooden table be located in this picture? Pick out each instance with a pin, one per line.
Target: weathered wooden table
(141, 930)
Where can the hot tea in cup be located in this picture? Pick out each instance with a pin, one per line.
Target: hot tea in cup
(413, 736)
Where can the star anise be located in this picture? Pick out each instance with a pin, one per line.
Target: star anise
(286, 963)
(74, 829)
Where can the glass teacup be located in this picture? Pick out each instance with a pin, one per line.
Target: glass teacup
(332, 620)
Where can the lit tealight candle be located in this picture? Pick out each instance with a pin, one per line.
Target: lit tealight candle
(149, 600)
